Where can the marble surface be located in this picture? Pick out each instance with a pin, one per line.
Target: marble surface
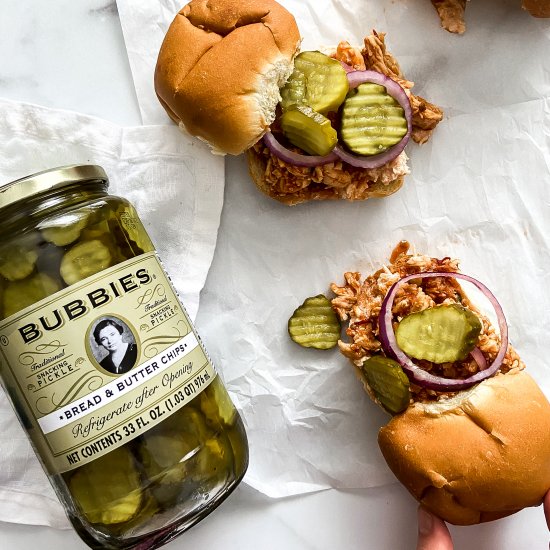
(71, 55)
(67, 55)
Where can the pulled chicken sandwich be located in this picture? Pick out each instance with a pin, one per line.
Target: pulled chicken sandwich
(451, 12)
(315, 125)
(470, 430)
(292, 179)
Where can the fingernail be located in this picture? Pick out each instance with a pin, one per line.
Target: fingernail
(425, 521)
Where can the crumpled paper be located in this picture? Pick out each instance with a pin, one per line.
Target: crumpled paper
(177, 188)
(478, 191)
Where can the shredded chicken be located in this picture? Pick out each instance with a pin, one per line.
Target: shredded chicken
(451, 13)
(335, 180)
(426, 115)
(359, 303)
(349, 55)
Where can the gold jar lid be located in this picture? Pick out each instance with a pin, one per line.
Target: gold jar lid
(55, 178)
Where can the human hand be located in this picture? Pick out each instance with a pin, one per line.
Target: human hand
(433, 533)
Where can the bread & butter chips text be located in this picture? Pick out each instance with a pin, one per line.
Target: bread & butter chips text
(314, 324)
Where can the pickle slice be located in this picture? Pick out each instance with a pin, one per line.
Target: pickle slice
(83, 260)
(314, 324)
(99, 230)
(165, 449)
(182, 452)
(440, 334)
(148, 508)
(17, 262)
(309, 130)
(388, 382)
(318, 81)
(213, 460)
(108, 489)
(132, 226)
(20, 294)
(372, 120)
(216, 404)
(66, 229)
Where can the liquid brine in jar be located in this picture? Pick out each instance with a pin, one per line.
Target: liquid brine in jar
(104, 368)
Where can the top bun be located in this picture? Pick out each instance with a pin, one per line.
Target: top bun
(220, 68)
(479, 456)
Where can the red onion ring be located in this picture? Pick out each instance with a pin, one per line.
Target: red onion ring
(355, 78)
(347, 68)
(414, 372)
(296, 158)
(478, 357)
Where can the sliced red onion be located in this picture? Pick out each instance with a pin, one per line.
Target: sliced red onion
(347, 68)
(374, 161)
(296, 158)
(414, 372)
(478, 357)
(355, 78)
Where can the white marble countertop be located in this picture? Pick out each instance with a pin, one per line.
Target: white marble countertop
(71, 55)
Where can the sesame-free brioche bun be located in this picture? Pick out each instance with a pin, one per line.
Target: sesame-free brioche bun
(220, 68)
(479, 456)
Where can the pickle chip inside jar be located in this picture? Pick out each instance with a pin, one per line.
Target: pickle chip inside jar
(388, 382)
(66, 229)
(132, 226)
(17, 262)
(83, 260)
(164, 449)
(439, 334)
(213, 460)
(108, 489)
(314, 324)
(216, 404)
(20, 294)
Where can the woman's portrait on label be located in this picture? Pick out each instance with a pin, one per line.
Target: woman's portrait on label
(113, 345)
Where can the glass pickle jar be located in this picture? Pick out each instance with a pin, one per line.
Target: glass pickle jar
(105, 371)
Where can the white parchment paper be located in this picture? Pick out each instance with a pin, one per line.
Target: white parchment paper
(479, 191)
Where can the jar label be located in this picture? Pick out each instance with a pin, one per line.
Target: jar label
(102, 361)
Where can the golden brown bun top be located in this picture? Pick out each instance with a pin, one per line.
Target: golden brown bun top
(537, 8)
(220, 68)
(482, 455)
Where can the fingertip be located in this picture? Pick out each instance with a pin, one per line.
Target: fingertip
(433, 533)
(547, 509)
(425, 521)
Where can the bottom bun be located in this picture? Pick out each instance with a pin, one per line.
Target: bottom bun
(479, 456)
(292, 185)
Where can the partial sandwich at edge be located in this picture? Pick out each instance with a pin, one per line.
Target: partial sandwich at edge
(470, 430)
(451, 12)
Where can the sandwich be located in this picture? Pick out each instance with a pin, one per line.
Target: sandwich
(451, 12)
(469, 434)
(326, 124)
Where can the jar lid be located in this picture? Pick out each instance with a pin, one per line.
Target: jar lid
(55, 178)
